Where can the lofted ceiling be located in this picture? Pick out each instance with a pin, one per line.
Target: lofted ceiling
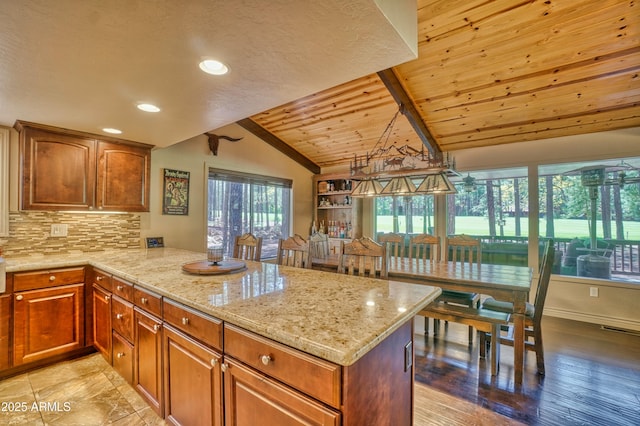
(487, 73)
(85, 64)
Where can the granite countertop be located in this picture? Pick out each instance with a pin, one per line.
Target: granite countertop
(338, 318)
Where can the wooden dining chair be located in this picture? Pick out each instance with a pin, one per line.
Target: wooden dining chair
(294, 251)
(394, 242)
(363, 257)
(319, 245)
(425, 248)
(533, 312)
(462, 249)
(247, 247)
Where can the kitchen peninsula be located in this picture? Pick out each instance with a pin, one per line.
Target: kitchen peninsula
(286, 342)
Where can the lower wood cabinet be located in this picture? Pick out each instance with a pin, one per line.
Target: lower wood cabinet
(147, 368)
(252, 398)
(5, 315)
(101, 305)
(48, 322)
(193, 381)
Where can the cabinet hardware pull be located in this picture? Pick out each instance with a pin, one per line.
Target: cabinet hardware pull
(266, 359)
(185, 321)
(120, 355)
(99, 278)
(144, 300)
(119, 288)
(214, 362)
(156, 327)
(224, 366)
(119, 316)
(107, 298)
(19, 297)
(52, 278)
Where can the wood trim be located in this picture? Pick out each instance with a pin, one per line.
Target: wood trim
(279, 144)
(400, 95)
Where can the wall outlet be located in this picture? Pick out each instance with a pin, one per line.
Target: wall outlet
(593, 291)
(59, 230)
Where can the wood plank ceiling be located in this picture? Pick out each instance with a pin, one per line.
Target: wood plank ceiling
(487, 73)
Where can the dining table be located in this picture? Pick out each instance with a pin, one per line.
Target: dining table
(509, 283)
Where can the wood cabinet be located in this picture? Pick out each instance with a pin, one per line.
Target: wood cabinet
(5, 321)
(255, 369)
(99, 312)
(193, 381)
(47, 322)
(147, 347)
(69, 170)
(101, 305)
(336, 213)
(122, 357)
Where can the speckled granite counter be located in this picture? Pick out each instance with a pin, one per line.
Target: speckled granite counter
(335, 317)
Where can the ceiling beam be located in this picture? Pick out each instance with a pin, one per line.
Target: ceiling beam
(409, 110)
(279, 144)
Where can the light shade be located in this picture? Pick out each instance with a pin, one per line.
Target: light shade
(367, 188)
(436, 184)
(400, 185)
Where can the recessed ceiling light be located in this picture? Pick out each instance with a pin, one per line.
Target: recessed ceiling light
(112, 130)
(211, 66)
(148, 107)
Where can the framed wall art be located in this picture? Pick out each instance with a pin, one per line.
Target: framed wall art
(175, 200)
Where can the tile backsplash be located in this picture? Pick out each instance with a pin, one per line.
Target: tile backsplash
(30, 232)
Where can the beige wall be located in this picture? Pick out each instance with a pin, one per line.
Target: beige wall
(249, 155)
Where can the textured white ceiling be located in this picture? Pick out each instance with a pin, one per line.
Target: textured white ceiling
(85, 64)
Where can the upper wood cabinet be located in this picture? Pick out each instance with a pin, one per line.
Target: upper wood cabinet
(70, 170)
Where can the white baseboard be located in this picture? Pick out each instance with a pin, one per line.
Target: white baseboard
(594, 319)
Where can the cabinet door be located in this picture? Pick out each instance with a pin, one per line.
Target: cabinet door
(252, 398)
(102, 321)
(5, 315)
(123, 177)
(193, 381)
(147, 368)
(58, 171)
(48, 322)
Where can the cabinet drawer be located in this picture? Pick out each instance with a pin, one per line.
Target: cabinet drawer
(200, 326)
(148, 301)
(123, 357)
(102, 279)
(122, 289)
(313, 376)
(122, 317)
(44, 279)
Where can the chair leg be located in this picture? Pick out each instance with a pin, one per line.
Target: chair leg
(483, 344)
(495, 350)
(470, 335)
(426, 326)
(537, 335)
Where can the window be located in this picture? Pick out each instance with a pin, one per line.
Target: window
(493, 206)
(241, 202)
(592, 210)
(404, 215)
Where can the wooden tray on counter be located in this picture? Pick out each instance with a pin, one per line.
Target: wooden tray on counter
(204, 267)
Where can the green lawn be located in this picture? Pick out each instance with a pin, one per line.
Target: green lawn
(564, 228)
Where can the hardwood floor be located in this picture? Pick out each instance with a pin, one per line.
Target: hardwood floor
(593, 375)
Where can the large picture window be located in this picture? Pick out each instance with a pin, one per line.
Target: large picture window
(241, 202)
(592, 210)
(493, 206)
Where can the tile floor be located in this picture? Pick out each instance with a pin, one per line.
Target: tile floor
(86, 391)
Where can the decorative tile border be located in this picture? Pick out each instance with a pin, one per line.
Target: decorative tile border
(30, 232)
